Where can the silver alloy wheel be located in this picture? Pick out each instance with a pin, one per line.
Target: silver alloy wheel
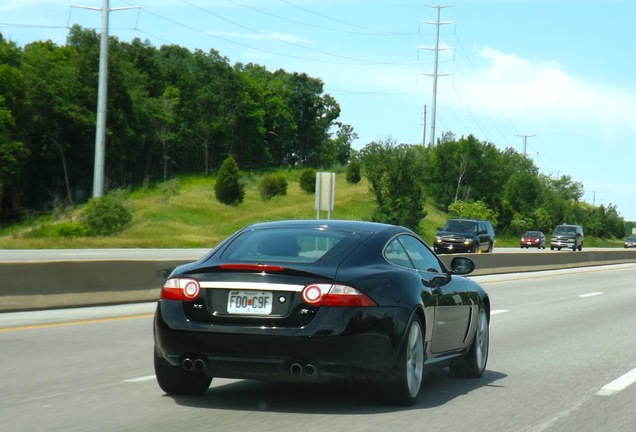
(414, 359)
(482, 338)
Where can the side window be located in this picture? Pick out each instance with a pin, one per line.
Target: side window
(396, 254)
(421, 256)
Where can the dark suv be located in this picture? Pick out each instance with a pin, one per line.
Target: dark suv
(464, 235)
(567, 236)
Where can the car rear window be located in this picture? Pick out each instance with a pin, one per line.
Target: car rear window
(304, 245)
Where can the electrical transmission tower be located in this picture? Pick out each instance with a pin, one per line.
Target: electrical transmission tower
(525, 142)
(102, 94)
(435, 73)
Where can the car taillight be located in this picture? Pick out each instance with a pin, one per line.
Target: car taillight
(184, 289)
(253, 267)
(334, 295)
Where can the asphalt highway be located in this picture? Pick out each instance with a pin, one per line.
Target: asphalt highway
(563, 358)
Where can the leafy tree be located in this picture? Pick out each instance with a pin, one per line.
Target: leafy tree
(472, 210)
(523, 192)
(542, 220)
(394, 176)
(520, 224)
(337, 151)
(12, 153)
(228, 188)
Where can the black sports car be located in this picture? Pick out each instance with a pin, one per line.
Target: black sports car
(316, 301)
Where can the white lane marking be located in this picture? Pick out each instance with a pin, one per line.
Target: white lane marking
(618, 384)
(591, 294)
(498, 311)
(140, 379)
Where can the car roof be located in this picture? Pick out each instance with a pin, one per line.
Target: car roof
(350, 225)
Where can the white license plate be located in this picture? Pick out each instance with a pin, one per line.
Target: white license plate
(249, 302)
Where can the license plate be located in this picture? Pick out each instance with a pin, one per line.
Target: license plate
(249, 302)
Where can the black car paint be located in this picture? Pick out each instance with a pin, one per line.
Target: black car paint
(351, 342)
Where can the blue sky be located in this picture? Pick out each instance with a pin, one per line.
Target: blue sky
(561, 72)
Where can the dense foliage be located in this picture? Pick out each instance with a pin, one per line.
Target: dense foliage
(394, 172)
(272, 185)
(469, 178)
(170, 112)
(105, 215)
(307, 180)
(173, 112)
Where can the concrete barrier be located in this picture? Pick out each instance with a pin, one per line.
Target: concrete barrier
(72, 283)
(511, 262)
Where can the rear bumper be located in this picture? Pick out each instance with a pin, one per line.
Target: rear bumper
(339, 343)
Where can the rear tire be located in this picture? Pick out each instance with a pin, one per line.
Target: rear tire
(405, 380)
(176, 381)
(473, 363)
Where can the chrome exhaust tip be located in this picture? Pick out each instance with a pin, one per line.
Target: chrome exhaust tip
(187, 364)
(199, 365)
(295, 369)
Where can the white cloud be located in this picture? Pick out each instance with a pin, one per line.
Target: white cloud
(519, 88)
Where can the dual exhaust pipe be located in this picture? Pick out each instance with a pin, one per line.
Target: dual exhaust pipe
(198, 364)
(298, 369)
(194, 365)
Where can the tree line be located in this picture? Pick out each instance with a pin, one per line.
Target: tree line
(466, 177)
(172, 111)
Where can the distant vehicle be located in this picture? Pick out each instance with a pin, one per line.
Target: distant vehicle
(314, 301)
(533, 239)
(629, 242)
(464, 235)
(567, 236)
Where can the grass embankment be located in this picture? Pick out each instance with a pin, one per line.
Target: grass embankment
(184, 213)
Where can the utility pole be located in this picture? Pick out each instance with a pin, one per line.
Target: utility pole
(435, 73)
(102, 96)
(424, 129)
(525, 142)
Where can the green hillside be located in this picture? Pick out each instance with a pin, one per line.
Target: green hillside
(184, 213)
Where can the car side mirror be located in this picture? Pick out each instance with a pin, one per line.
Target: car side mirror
(462, 265)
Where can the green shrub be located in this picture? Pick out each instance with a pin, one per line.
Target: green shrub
(104, 216)
(69, 229)
(353, 172)
(308, 180)
(228, 188)
(272, 185)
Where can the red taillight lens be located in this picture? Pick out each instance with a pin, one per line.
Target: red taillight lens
(184, 289)
(335, 295)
